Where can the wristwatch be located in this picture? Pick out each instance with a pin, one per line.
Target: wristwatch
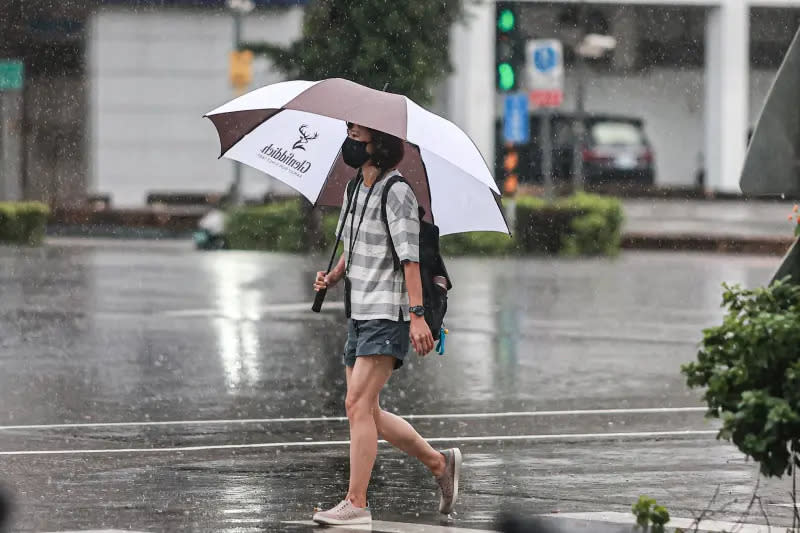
(418, 310)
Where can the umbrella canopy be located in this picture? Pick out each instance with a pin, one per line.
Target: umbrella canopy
(772, 165)
(294, 130)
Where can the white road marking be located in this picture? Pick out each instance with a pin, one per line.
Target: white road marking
(455, 416)
(685, 523)
(607, 517)
(100, 531)
(300, 444)
(380, 526)
(293, 307)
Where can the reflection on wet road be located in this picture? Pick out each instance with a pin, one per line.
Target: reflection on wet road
(178, 370)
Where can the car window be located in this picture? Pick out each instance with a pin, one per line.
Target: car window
(616, 133)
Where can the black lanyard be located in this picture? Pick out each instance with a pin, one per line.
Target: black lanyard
(353, 236)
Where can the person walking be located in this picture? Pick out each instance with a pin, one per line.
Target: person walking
(385, 313)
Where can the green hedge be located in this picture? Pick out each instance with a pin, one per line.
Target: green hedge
(541, 226)
(23, 222)
(278, 226)
(329, 221)
(598, 230)
(478, 243)
(583, 224)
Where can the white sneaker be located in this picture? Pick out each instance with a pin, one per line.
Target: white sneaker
(344, 514)
(448, 482)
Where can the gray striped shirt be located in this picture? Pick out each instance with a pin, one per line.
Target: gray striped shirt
(377, 291)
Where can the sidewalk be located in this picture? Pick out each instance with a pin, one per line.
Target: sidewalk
(617, 522)
(745, 226)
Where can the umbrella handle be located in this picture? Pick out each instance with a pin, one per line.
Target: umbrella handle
(318, 299)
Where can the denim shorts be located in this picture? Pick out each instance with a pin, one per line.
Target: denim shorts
(376, 337)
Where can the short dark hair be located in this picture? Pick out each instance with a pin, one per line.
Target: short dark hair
(387, 150)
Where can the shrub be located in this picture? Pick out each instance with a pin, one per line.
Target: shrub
(584, 224)
(278, 226)
(32, 222)
(328, 228)
(648, 512)
(477, 243)
(23, 222)
(750, 366)
(580, 225)
(540, 225)
(598, 229)
(8, 223)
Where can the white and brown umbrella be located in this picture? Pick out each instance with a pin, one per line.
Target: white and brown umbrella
(294, 130)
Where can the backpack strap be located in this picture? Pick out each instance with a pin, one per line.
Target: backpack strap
(384, 195)
(351, 188)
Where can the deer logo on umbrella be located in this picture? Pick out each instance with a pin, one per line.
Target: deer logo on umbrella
(304, 138)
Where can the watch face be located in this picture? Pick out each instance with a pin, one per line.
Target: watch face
(418, 310)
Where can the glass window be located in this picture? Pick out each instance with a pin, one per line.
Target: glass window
(616, 133)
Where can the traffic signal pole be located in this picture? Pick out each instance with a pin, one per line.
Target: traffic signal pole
(579, 126)
(241, 76)
(546, 142)
(237, 166)
(509, 58)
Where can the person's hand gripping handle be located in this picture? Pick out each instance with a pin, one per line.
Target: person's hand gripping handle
(321, 286)
(325, 280)
(330, 277)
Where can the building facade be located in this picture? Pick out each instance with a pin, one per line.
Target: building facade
(115, 90)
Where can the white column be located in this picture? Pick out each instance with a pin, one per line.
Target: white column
(726, 94)
(471, 91)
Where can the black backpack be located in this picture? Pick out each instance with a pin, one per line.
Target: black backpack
(434, 297)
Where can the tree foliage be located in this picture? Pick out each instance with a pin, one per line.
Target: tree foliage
(373, 42)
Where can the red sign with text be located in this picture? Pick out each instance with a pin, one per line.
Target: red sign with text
(551, 98)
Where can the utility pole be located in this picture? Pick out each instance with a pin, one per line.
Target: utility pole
(241, 75)
(579, 126)
(590, 45)
(546, 142)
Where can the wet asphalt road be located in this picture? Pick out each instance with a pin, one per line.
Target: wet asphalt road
(146, 386)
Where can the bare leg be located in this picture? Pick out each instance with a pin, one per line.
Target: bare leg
(400, 434)
(368, 377)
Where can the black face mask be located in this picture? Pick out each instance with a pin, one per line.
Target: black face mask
(354, 152)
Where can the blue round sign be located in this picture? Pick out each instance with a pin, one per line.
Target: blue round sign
(545, 58)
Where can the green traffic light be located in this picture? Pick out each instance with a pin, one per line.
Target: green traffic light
(506, 20)
(505, 78)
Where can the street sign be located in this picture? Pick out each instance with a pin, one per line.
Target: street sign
(544, 62)
(10, 75)
(516, 123)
